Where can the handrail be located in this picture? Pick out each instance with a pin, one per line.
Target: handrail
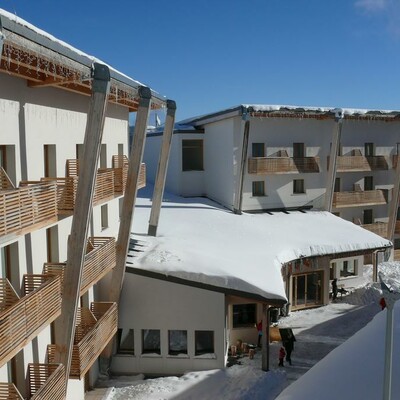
(282, 165)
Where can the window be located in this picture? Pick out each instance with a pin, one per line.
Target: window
(298, 150)
(258, 150)
(192, 155)
(50, 165)
(368, 217)
(244, 315)
(258, 188)
(369, 149)
(177, 342)
(79, 151)
(298, 186)
(347, 268)
(103, 156)
(204, 342)
(151, 341)
(368, 183)
(104, 217)
(125, 341)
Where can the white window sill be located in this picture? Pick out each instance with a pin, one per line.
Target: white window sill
(208, 356)
(124, 355)
(150, 355)
(181, 356)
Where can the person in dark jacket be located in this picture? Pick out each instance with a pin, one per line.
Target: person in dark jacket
(334, 289)
(288, 344)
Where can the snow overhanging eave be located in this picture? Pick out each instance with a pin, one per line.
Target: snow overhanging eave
(273, 300)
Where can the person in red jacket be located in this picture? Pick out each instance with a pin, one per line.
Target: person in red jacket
(282, 354)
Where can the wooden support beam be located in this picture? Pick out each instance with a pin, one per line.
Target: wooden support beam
(128, 207)
(159, 184)
(1, 38)
(237, 208)
(82, 212)
(129, 201)
(394, 204)
(330, 182)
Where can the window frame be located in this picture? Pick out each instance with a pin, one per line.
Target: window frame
(252, 315)
(177, 352)
(122, 350)
(295, 188)
(255, 192)
(147, 350)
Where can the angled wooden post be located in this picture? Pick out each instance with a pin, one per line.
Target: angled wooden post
(394, 204)
(129, 201)
(1, 38)
(330, 182)
(82, 211)
(159, 183)
(237, 209)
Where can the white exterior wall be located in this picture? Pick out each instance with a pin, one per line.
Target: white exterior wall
(30, 119)
(176, 307)
(280, 134)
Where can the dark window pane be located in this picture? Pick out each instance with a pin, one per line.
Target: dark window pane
(258, 150)
(298, 150)
(204, 342)
(126, 344)
(192, 155)
(244, 315)
(151, 341)
(258, 188)
(177, 342)
(298, 186)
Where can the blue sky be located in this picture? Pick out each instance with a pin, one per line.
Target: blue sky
(210, 55)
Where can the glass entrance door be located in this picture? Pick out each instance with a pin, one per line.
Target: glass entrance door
(307, 290)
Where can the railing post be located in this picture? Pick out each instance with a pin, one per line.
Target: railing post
(330, 182)
(159, 183)
(80, 221)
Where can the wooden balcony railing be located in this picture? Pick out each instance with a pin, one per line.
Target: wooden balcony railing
(44, 382)
(94, 329)
(24, 209)
(5, 181)
(99, 260)
(379, 228)
(360, 163)
(21, 319)
(397, 227)
(282, 165)
(104, 188)
(397, 255)
(360, 198)
(395, 159)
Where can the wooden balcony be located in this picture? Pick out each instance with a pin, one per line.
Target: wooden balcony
(282, 165)
(379, 228)
(360, 198)
(397, 227)
(21, 319)
(94, 329)
(27, 208)
(360, 163)
(99, 260)
(44, 382)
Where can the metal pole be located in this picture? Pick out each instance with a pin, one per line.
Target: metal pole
(390, 299)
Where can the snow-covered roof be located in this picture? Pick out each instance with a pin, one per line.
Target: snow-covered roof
(292, 110)
(198, 241)
(12, 25)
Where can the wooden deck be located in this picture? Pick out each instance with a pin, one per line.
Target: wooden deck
(361, 163)
(44, 382)
(360, 198)
(99, 260)
(94, 329)
(23, 209)
(282, 165)
(21, 319)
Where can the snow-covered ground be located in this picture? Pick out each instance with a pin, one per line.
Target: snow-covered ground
(350, 369)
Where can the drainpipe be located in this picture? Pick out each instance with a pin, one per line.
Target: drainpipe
(330, 182)
(375, 264)
(237, 209)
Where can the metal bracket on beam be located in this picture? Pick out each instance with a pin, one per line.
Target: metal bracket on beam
(100, 74)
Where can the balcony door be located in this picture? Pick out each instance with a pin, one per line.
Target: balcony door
(368, 183)
(258, 150)
(298, 150)
(307, 290)
(369, 149)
